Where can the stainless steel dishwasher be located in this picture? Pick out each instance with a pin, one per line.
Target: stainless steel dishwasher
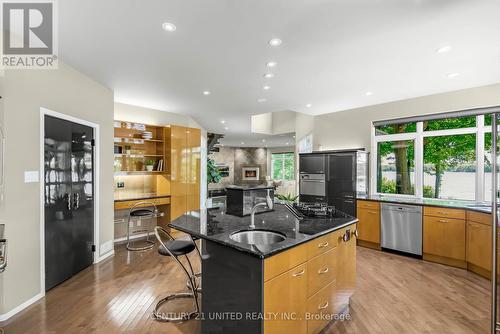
(402, 228)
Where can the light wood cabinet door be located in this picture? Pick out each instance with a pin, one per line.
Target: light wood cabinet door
(321, 271)
(444, 237)
(479, 245)
(346, 268)
(369, 225)
(193, 138)
(321, 307)
(178, 173)
(285, 296)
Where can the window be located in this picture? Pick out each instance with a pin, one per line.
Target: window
(395, 128)
(444, 158)
(395, 167)
(282, 166)
(450, 167)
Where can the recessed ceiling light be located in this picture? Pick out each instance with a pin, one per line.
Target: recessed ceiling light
(242, 143)
(444, 49)
(263, 140)
(271, 64)
(369, 93)
(226, 128)
(275, 42)
(167, 26)
(309, 105)
(268, 75)
(453, 75)
(207, 92)
(287, 143)
(266, 87)
(293, 136)
(223, 121)
(261, 100)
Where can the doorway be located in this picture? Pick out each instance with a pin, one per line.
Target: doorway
(68, 198)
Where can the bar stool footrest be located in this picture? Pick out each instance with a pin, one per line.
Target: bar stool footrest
(162, 317)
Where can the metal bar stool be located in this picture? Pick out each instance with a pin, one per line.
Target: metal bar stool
(175, 248)
(197, 275)
(143, 211)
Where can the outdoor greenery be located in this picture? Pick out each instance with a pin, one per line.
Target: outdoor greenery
(453, 153)
(213, 174)
(283, 166)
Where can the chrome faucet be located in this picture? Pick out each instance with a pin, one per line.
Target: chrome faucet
(269, 203)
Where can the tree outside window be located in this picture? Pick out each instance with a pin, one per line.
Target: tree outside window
(282, 166)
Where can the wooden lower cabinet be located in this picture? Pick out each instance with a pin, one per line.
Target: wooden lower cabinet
(479, 248)
(368, 214)
(284, 297)
(444, 240)
(303, 299)
(320, 308)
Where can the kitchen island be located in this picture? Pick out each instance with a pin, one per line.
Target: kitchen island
(298, 284)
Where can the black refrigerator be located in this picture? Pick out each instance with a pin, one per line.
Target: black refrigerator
(345, 174)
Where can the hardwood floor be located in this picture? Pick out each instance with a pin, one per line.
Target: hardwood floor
(394, 294)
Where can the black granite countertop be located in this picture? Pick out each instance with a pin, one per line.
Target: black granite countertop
(245, 187)
(215, 225)
(484, 207)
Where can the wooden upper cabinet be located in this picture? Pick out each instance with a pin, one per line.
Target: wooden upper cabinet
(369, 221)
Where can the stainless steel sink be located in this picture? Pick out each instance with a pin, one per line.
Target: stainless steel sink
(257, 237)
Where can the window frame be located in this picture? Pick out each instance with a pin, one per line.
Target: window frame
(292, 158)
(479, 130)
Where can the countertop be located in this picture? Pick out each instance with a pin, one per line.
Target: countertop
(137, 196)
(215, 225)
(484, 207)
(249, 187)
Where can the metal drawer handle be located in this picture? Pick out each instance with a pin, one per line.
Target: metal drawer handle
(323, 245)
(323, 271)
(322, 307)
(373, 212)
(355, 233)
(442, 221)
(300, 273)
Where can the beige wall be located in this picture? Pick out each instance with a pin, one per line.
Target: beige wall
(65, 91)
(352, 128)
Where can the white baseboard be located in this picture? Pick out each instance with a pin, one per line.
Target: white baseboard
(19, 308)
(105, 256)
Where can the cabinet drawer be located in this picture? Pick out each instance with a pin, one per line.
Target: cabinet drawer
(320, 245)
(369, 205)
(478, 217)
(321, 271)
(279, 263)
(479, 245)
(444, 212)
(128, 204)
(444, 237)
(321, 303)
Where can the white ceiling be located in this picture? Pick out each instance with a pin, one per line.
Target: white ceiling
(333, 52)
(259, 140)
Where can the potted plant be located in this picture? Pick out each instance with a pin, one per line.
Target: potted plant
(213, 174)
(149, 165)
(287, 198)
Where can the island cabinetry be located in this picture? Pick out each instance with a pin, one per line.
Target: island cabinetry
(301, 284)
(444, 237)
(368, 213)
(479, 243)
